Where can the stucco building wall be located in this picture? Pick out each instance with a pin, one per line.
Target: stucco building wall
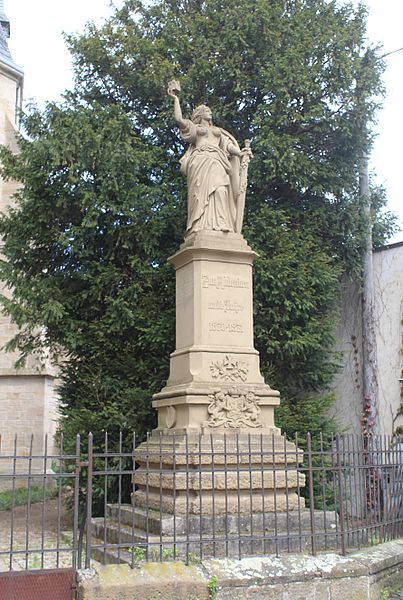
(388, 289)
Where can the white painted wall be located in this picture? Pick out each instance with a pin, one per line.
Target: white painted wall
(388, 282)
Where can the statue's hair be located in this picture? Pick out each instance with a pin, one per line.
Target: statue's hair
(197, 113)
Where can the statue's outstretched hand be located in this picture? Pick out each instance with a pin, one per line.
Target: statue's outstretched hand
(173, 88)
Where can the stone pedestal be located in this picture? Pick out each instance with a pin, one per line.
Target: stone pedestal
(215, 382)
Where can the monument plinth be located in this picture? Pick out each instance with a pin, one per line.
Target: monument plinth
(215, 381)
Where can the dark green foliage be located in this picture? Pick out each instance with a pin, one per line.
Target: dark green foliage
(103, 204)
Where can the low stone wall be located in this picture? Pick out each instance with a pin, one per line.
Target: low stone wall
(363, 575)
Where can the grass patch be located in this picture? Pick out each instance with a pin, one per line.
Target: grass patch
(21, 497)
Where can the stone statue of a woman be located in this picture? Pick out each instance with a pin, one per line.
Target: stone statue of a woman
(213, 168)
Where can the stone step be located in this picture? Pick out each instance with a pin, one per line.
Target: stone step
(167, 524)
(110, 556)
(191, 550)
(218, 544)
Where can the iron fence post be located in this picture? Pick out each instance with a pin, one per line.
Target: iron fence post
(76, 562)
(340, 492)
(89, 503)
(311, 494)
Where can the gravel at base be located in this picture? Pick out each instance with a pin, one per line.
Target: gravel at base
(57, 532)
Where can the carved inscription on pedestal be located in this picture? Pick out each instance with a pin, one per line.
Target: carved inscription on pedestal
(227, 298)
(221, 282)
(229, 369)
(231, 327)
(225, 306)
(233, 409)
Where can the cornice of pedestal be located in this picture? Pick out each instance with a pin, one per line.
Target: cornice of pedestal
(198, 393)
(215, 246)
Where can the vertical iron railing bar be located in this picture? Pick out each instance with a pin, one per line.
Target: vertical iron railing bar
(361, 486)
(298, 492)
(200, 500)
(391, 477)
(88, 536)
(374, 511)
(323, 478)
(187, 495)
(396, 498)
(392, 486)
(147, 495)
(397, 484)
(59, 497)
(174, 491)
(226, 517)
(44, 492)
(387, 479)
(371, 485)
(391, 445)
(28, 518)
(347, 480)
(160, 482)
(354, 519)
(76, 564)
(213, 492)
(13, 503)
(376, 484)
(238, 464)
(120, 495)
(287, 503)
(399, 461)
(379, 471)
(106, 481)
(311, 495)
(262, 469)
(335, 502)
(250, 491)
(364, 440)
(385, 474)
(133, 497)
(340, 495)
(273, 465)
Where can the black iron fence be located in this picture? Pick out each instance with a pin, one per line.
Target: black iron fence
(189, 497)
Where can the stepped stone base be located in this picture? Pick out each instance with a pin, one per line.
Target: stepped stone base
(154, 536)
(218, 474)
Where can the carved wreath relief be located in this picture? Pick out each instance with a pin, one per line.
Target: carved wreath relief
(233, 409)
(229, 369)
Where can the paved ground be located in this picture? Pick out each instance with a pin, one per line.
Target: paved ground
(56, 532)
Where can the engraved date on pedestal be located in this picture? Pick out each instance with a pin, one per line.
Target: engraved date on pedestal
(233, 409)
(229, 369)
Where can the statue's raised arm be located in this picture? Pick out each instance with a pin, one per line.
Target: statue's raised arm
(215, 168)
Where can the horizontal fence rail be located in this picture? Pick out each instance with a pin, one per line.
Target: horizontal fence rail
(189, 497)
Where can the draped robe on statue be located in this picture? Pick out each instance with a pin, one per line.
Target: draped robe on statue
(213, 179)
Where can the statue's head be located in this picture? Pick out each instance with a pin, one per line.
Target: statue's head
(201, 112)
